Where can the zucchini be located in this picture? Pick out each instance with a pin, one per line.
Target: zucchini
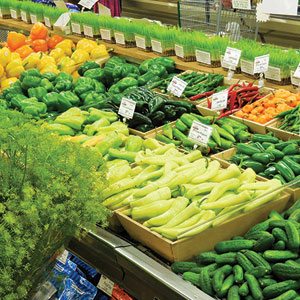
(259, 272)
(205, 282)
(254, 287)
(192, 278)
(257, 260)
(227, 284)
(244, 262)
(219, 276)
(206, 258)
(233, 293)
(180, 267)
(289, 295)
(286, 271)
(234, 246)
(264, 282)
(293, 238)
(226, 258)
(244, 289)
(277, 289)
(279, 255)
(238, 273)
(280, 245)
(279, 234)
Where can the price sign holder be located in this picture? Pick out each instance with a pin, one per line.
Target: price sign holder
(219, 100)
(297, 72)
(63, 20)
(232, 57)
(261, 65)
(127, 108)
(87, 3)
(177, 86)
(200, 133)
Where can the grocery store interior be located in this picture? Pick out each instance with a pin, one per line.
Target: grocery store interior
(149, 150)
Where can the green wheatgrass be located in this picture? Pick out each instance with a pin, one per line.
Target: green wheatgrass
(16, 5)
(76, 18)
(33, 8)
(53, 13)
(165, 35)
(5, 4)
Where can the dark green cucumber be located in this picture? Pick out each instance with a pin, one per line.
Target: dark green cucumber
(293, 237)
(259, 272)
(227, 284)
(206, 257)
(280, 245)
(233, 246)
(219, 277)
(244, 262)
(238, 273)
(192, 278)
(279, 234)
(279, 255)
(277, 289)
(254, 287)
(257, 259)
(205, 282)
(183, 266)
(233, 293)
(286, 271)
(263, 226)
(264, 282)
(244, 289)
(289, 295)
(226, 258)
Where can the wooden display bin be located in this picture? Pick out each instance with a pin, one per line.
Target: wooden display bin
(282, 134)
(186, 249)
(148, 134)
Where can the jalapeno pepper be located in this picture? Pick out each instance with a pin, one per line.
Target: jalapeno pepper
(263, 158)
(285, 171)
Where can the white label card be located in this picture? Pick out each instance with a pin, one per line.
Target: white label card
(120, 39)
(282, 7)
(177, 86)
(105, 34)
(63, 20)
(13, 14)
(200, 133)
(295, 80)
(219, 100)
(179, 51)
(273, 73)
(232, 56)
(103, 10)
(247, 67)
(24, 16)
(47, 22)
(140, 42)
(156, 46)
(297, 72)
(203, 57)
(33, 19)
(88, 31)
(127, 108)
(87, 3)
(106, 285)
(261, 64)
(64, 256)
(76, 28)
(241, 4)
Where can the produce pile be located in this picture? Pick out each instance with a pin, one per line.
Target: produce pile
(266, 109)
(290, 120)
(270, 157)
(226, 132)
(263, 264)
(170, 199)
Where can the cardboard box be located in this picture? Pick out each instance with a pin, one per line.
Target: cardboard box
(186, 249)
(282, 134)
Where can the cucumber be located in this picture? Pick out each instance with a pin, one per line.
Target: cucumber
(286, 271)
(206, 258)
(219, 276)
(277, 223)
(244, 262)
(238, 238)
(293, 238)
(292, 263)
(238, 273)
(277, 289)
(279, 234)
(244, 289)
(254, 287)
(249, 297)
(295, 215)
(234, 246)
(227, 284)
(280, 245)
(257, 260)
(211, 268)
(279, 255)
(264, 282)
(233, 293)
(289, 295)
(265, 242)
(275, 215)
(263, 226)
(205, 282)
(196, 270)
(227, 258)
(259, 272)
(183, 266)
(192, 278)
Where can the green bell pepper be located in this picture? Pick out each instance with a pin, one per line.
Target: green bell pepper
(31, 72)
(30, 82)
(50, 76)
(17, 100)
(98, 74)
(66, 100)
(63, 77)
(47, 85)
(35, 109)
(38, 92)
(123, 84)
(167, 62)
(89, 65)
(158, 70)
(94, 98)
(144, 66)
(99, 87)
(144, 79)
(51, 100)
(65, 85)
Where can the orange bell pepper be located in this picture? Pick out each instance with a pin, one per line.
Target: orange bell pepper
(24, 51)
(15, 40)
(39, 45)
(54, 40)
(38, 32)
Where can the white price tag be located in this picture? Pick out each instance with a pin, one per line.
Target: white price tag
(33, 19)
(273, 73)
(179, 51)
(76, 28)
(24, 16)
(63, 257)
(13, 14)
(127, 108)
(297, 72)
(241, 4)
(88, 31)
(200, 133)
(140, 42)
(105, 34)
(261, 64)
(232, 57)
(63, 20)
(177, 86)
(120, 39)
(106, 285)
(203, 57)
(247, 66)
(47, 22)
(219, 100)
(87, 3)
(156, 46)
(295, 80)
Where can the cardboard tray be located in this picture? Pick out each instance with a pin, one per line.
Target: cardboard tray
(224, 157)
(282, 134)
(186, 249)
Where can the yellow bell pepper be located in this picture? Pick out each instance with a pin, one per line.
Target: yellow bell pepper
(15, 55)
(1, 71)
(45, 61)
(8, 82)
(5, 56)
(87, 45)
(50, 68)
(31, 61)
(67, 65)
(75, 75)
(15, 68)
(80, 56)
(57, 54)
(67, 46)
(99, 52)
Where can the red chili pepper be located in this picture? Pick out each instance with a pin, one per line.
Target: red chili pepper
(228, 113)
(234, 86)
(247, 89)
(202, 95)
(233, 98)
(208, 103)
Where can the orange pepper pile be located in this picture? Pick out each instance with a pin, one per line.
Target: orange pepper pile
(264, 110)
(37, 41)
